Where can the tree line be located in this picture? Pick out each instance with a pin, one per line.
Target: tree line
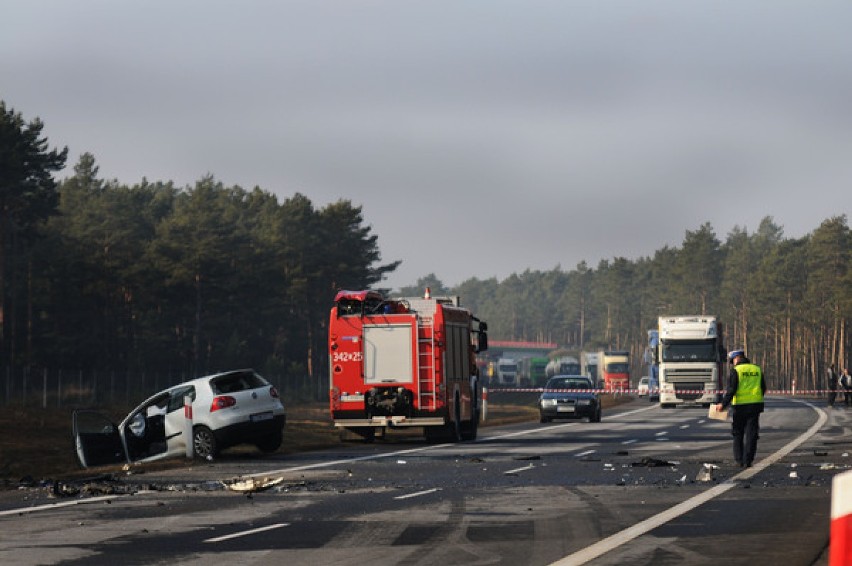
(151, 279)
(103, 278)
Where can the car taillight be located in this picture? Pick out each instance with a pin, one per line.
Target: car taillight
(273, 392)
(222, 402)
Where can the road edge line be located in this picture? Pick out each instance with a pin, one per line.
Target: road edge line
(614, 541)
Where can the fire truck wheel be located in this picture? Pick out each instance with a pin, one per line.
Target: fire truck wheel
(469, 428)
(455, 427)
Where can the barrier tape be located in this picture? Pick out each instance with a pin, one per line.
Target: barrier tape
(657, 391)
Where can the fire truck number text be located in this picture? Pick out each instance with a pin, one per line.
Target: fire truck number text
(348, 356)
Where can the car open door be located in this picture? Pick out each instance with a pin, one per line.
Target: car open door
(96, 439)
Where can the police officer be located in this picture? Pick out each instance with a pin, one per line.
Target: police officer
(746, 387)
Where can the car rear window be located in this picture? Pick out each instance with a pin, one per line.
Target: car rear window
(570, 384)
(237, 381)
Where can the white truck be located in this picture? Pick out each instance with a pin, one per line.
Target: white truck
(690, 355)
(589, 365)
(507, 372)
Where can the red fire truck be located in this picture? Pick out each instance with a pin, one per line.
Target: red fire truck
(405, 362)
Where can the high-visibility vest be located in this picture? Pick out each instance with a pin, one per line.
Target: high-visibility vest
(748, 385)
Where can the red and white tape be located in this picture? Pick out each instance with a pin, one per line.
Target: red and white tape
(654, 391)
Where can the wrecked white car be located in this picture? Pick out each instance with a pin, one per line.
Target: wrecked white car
(235, 407)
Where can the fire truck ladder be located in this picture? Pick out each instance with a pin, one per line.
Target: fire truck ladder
(426, 364)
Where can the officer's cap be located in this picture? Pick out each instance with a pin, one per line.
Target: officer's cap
(734, 353)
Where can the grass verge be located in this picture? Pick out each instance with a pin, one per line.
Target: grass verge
(37, 445)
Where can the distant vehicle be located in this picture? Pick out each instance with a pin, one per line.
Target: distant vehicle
(235, 407)
(614, 369)
(589, 365)
(653, 366)
(533, 371)
(564, 365)
(569, 397)
(642, 387)
(507, 372)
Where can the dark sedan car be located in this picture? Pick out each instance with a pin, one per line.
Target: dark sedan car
(569, 397)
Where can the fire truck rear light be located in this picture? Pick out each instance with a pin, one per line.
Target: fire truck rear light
(222, 402)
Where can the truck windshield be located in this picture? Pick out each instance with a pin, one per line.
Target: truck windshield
(617, 367)
(689, 351)
(569, 368)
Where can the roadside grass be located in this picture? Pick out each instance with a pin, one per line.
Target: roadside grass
(36, 444)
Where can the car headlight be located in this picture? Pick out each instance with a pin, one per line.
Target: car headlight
(548, 402)
(584, 402)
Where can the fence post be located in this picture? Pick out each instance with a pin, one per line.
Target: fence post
(187, 427)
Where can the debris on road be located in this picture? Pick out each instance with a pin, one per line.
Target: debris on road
(705, 474)
(652, 463)
(252, 485)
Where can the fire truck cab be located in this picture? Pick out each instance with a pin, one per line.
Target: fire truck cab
(404, 362)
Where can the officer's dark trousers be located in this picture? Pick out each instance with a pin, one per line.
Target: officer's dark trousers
(746, 429)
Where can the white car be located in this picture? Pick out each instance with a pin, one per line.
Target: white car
(230, 408)
(642, 388)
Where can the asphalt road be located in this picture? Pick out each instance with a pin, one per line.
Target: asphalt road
(644, 486)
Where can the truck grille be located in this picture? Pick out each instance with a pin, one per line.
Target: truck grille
(689, 391)
(677, 374)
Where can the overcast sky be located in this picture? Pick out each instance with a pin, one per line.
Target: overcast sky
(481, 138)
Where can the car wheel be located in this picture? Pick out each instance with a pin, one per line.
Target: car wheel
(270, 443)
(204, 442)
(543, 419)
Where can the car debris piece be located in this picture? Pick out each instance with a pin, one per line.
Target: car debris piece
(652, 463)
(251, 485)
(705, 474)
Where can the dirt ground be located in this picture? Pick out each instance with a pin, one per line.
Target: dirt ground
(36, 445)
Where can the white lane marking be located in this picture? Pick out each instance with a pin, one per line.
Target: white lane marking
(425, 448)
(586, 453)
(47, 506)
(684, 426)
(662, 433)
(631, 441)
(611, 542)
(418, 493)
(516, 470)
(248, 532)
